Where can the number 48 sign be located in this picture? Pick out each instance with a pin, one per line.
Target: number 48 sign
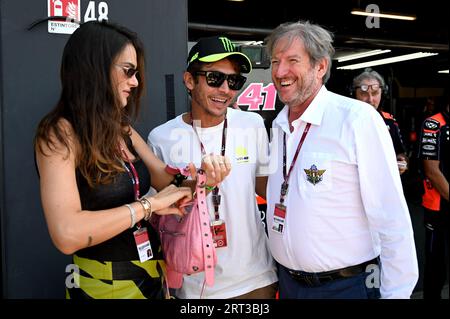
(69, 11)
(90, 14)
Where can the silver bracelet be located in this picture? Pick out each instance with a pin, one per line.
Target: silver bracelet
(132, 215)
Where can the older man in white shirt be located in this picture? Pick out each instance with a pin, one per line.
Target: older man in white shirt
(336, 209)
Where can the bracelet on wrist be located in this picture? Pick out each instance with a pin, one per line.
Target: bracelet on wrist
(147, 205)
(178, 179)
(132, 215)
(210, 188)
(178, 176)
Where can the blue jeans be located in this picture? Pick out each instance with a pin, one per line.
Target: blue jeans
(348, 288)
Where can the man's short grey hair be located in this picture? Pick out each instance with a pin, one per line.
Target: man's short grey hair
(318, 42)
(369, 74)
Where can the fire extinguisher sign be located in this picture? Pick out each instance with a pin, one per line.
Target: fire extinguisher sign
(69, 10)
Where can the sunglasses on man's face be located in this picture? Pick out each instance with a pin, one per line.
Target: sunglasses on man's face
(216, 79)
(365, 87)
(128, 71)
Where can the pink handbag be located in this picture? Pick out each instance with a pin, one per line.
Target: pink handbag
(187, 242)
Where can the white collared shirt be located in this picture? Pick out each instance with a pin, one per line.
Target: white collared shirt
(358, 210)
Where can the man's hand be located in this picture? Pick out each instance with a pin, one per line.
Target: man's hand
(217, 167)
(402, 163)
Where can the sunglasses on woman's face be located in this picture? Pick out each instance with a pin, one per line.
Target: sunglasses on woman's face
(128, 71)
(216, 79)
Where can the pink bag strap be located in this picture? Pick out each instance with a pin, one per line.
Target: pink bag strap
(207, 241)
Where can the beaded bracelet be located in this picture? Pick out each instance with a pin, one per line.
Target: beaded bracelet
(210, 188)
(178, 179)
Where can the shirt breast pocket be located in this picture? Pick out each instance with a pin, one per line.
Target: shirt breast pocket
(315, 175)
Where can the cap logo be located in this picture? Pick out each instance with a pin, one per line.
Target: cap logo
(194, 57)
(227, 44)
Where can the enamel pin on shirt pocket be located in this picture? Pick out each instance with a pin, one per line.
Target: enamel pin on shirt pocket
(314, 175)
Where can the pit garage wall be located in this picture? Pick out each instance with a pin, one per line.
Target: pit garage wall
(29, 87)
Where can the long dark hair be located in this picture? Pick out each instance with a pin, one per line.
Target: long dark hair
(88, 100)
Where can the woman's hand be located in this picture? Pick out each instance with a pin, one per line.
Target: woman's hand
(163, 201)
(217, 167)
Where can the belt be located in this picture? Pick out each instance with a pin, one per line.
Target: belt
(319, 278)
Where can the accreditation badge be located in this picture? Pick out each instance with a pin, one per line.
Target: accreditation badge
(219, 233)
(279, 218)
(143, 244)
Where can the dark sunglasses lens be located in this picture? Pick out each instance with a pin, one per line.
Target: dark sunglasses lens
(236, 81)
(215, 78)
(130, 72)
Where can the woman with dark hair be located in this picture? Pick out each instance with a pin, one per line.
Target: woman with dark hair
(95, 169)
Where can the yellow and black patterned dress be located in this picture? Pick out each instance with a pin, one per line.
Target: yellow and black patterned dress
(112, 269)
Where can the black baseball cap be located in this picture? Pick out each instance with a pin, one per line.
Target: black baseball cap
(213, 49)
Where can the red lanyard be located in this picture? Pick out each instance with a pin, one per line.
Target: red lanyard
(215, 193)
(224, 136)
(134, 179)
(285, 185)
(133, 175)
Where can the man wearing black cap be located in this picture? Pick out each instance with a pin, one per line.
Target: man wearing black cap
(245, 268)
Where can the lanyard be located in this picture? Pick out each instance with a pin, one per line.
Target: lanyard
(134, 178)
(133, 175)
(285, 185)
(215, 195)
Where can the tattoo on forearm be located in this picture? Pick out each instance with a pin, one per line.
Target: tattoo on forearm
(89, 241)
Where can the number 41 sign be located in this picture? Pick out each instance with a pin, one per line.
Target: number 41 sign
(257, 95)
(69, 10)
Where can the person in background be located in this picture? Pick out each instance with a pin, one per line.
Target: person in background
(95, 169)
(335, 205)
(369, 86)
(245, 268)
(433, 151)
(429, 109)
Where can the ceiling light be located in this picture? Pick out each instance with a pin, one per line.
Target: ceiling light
(387, 60)
(361, 55)
(443, 71)
(383, 15)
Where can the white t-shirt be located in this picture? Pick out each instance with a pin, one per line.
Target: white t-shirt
(245, 264)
